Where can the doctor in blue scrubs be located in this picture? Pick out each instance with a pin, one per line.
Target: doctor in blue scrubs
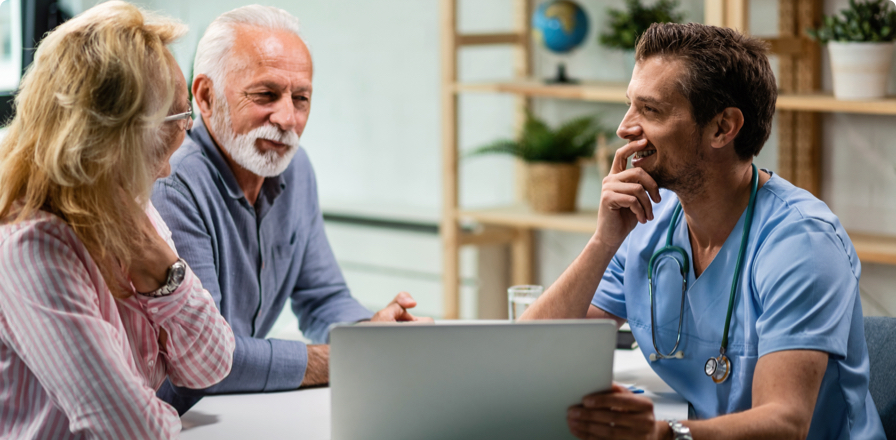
(741, 289)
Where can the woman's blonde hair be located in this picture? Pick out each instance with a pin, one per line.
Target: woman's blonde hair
(86, 141)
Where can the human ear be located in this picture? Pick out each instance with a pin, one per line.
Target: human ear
(203, 93)
(727, 125)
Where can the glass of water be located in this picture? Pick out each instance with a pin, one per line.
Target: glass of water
(519, 298)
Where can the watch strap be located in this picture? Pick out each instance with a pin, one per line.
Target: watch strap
(174, 279)
(679, 431)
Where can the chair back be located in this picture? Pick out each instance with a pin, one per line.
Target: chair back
(880, 335)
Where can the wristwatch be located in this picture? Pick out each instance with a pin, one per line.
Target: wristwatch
(176, 274)
(679, 431)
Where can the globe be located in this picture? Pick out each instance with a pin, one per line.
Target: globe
(560, 25)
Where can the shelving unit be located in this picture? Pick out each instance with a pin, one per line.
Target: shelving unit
(799, 143)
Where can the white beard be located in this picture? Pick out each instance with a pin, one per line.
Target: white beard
(241, 147)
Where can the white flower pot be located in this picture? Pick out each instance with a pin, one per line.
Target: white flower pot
(860, 70)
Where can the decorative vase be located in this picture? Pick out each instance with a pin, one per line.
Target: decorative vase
(860, 70)
(553, 187)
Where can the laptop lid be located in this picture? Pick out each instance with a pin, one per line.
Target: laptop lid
(470, 380)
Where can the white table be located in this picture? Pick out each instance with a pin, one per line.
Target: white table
(305, 414)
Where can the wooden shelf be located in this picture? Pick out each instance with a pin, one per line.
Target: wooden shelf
(524, 217)
(874, 248)
(614, 92)
(587, 91)
(821, 102)
(871, 248)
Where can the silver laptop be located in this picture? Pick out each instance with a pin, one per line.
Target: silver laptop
(488, 380)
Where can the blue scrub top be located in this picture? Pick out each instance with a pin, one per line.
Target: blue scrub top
(798, 289)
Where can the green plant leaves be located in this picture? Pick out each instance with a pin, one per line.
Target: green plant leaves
(626, 26)
(872, 21)
(537, 142)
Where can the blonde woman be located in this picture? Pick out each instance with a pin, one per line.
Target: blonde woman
(96, 308)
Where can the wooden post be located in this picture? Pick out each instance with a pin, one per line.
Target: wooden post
(522, 69)
(799, 138)
(807, 137)
(522, 251)
(737, 15)
(449, 227)
(727, 13)
(522, 257)
(787, 84)
(714, 12)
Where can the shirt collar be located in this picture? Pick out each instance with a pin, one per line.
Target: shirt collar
(272, 186)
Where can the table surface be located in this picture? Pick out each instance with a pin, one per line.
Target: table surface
(306, 413)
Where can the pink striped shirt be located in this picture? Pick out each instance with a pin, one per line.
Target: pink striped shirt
(75, 362)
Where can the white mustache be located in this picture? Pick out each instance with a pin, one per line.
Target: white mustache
(272, 133)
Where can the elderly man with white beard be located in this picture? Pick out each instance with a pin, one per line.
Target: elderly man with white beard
(241, 203)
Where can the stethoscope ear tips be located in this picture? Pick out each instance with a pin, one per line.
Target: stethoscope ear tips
(679, 354)
(652, 357)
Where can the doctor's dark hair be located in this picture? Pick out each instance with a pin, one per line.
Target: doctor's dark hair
(723, 68)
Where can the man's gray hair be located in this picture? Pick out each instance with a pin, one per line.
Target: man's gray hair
(214, 49)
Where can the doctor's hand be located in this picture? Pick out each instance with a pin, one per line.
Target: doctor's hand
(625, 197)
(615, 414)
(397, 310)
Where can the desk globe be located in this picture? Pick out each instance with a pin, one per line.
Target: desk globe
(560, 26)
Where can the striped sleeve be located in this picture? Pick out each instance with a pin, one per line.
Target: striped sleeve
(54, 322)
(199, 349)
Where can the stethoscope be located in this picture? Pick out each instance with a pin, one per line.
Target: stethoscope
(718, 368)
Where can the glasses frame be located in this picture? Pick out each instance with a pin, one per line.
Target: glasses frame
(179, 116)
(185, 116)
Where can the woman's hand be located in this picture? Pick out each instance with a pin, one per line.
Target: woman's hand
(151, 259)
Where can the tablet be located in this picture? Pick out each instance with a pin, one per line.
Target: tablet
(467, 380)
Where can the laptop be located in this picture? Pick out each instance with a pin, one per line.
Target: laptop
(469, 380)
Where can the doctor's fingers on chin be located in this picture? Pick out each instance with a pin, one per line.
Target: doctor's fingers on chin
(617, 201)
(640, 176)
(630, 189)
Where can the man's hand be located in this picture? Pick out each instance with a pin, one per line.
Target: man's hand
(625, 198)
(615, 414)
(397, 310)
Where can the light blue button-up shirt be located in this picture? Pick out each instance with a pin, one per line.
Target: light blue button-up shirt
(798, 290)
(252, 259)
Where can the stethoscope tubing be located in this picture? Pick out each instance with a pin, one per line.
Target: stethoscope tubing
(684, 267)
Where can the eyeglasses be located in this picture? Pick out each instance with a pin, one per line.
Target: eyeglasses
(187, 116)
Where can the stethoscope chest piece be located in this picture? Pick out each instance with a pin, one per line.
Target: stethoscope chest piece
(718, 368)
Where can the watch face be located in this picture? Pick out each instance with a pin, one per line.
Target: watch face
(178, 272)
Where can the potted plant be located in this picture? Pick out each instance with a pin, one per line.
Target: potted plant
(552, 159)
(860, 42)
(624, 27)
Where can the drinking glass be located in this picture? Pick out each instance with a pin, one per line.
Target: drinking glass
(519, 298)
